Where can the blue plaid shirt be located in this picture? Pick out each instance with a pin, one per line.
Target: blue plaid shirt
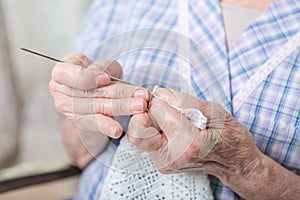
(121, 29)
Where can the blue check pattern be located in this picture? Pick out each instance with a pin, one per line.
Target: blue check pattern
(139, 34)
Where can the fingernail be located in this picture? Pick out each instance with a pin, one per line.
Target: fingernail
(136, 105)
(113, 130)
(140, 93)
(102, 79)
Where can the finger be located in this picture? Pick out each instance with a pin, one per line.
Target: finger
(178, 129)
(93, 143)
(112, 107)
(178, 99)
(111, 66)
(114, 90)
(171, 121)
(77, 59)
(121, 90)
(183, 100)
(143, 135)
(78, 77)
(74, 146)
(97, 123)
(180, 132)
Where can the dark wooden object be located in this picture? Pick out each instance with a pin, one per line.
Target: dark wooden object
(16, 183)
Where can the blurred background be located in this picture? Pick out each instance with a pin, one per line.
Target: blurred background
(29, 123)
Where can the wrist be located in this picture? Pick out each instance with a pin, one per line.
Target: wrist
(266, 180)
(249, 177)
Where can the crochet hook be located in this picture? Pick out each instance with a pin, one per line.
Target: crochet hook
(194, 115)
(57, 60)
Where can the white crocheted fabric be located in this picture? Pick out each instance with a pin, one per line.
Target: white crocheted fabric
(133, 176)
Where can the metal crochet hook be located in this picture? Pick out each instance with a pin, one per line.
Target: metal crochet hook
(194, 115)
(57, 60)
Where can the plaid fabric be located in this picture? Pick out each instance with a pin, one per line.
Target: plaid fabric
(149, 56)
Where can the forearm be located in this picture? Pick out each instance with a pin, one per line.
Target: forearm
(249, 172)
(268, 181)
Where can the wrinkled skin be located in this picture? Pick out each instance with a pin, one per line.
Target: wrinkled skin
(83, 92)
(81, 148)
(224, 143)
(225, 149)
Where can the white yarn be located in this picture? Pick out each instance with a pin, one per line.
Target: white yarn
(194, 115)
(133, 176)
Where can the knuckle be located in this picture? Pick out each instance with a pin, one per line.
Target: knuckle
(59, 106)
(119, 91)
(62, 104)
(100, 106)
(169, 93)
(91, 106)
(104, 107)
(82, 58)
(100, 92)
(52, 87)
(58, 74)
(55, 71)
(135, 140)
(141, 119)
(85, 93)
(120, 108)
(77, 58)
(122, 91)
(116, 90)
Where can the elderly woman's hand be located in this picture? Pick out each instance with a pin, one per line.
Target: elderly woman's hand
(224, 149)
(81, 148)
(83, 92)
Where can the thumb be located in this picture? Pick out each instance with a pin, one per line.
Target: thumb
(110, 66)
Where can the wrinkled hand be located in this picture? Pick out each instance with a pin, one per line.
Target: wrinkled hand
(224, 149)
(81, 148)
(83, 92)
